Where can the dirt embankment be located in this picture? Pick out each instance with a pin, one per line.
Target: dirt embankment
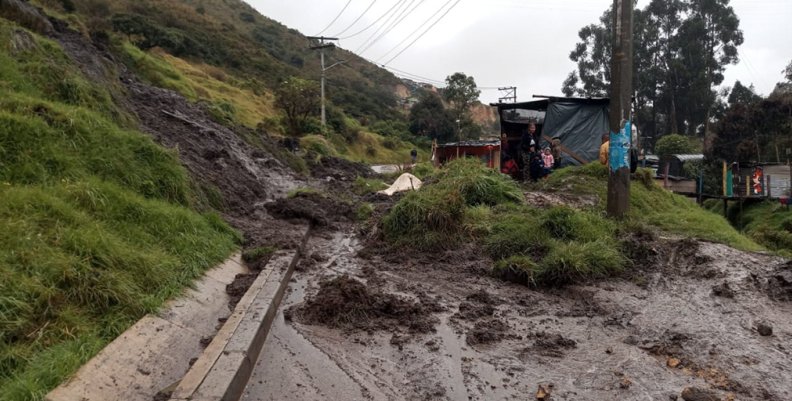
(235, 176)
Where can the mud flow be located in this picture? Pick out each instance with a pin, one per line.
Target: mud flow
(701, 322)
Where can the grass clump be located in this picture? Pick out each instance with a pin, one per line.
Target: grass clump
(254, 255)
(532, 246)
(434, 217)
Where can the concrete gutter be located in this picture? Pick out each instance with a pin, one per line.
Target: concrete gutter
(156, 351)
(222, 372)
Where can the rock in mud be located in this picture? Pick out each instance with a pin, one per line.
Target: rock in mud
(764, 329)
(699, 394)
(347, 303)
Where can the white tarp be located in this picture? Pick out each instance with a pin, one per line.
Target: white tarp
(405, 182)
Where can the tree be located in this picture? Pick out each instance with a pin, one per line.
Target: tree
(741, 94)
(461, 92)
(681, 50)
(673, 144)
(298, 98)
(788, 72)
(430, 118)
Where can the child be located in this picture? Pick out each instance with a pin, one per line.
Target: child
(548, 159)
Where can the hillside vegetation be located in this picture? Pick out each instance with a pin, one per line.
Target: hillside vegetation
(98, 224)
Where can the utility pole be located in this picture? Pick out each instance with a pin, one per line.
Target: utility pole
(321, 47)
(620, 110)
(510, 93)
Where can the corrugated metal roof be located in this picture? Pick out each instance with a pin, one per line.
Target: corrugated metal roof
(471, 144)
(687, 158)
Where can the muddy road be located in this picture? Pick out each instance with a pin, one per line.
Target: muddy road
(706, 322)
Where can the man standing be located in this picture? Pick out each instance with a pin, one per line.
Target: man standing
(603, 152)
(414, 155)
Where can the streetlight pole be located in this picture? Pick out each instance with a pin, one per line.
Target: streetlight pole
(459, 137)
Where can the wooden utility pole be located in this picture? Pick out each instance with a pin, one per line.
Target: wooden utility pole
(620, 109)
(321, 47)
(509, 94)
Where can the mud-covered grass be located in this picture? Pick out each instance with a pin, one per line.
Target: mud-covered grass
(97, 223)
(651, 205)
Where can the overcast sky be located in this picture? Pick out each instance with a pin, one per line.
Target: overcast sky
(522, 43)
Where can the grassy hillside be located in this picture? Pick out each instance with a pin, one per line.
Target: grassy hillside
(98, 224)
(768, 223)
(259, 52)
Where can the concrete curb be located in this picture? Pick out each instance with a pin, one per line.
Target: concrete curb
(155, 352)
(221, 373)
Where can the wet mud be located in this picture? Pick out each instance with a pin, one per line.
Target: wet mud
(659, 333)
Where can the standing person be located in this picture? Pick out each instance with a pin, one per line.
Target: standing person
(524, 152)
(604, 148)
(414, 155)
(555, 149)
(504, 147)
(549, 161)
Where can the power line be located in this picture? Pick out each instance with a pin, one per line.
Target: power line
(384, 24)
(373, 23)
(387, 24)
(358, 18)
(394, 25)
(416, 30)
(335, 19)
(422, 34)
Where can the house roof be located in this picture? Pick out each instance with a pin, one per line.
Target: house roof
(541, 104)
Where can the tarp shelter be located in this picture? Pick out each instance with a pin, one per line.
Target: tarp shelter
(486, 151)
(578, 123)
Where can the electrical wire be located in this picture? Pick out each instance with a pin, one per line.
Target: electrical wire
(356, 19)
(415, 31)
(373, 23)
(422, 34)
(395, 24)
(387, 22)
(335, 19)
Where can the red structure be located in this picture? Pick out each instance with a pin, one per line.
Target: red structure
(489, 152)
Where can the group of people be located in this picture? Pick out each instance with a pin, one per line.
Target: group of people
(534, 163)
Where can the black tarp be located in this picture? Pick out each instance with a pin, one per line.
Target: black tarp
(579, 127)
(578, 122)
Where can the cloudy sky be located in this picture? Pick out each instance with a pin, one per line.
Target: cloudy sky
(522, 43)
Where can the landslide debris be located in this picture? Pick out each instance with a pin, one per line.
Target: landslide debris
(347, 303)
